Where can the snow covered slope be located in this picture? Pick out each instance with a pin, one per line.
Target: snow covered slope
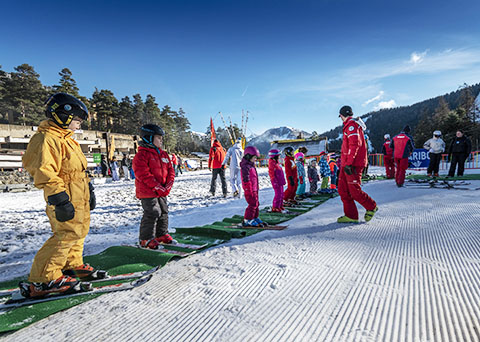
(411, 274)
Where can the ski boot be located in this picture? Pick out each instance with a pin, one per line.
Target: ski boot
(435, 175)
(260, 222)
(149, 244)
(85, 272)
(62, 285)
(369, 214)
(165, 239)
(236, 194)
(276, 210)
(250, 223)
(346, 219)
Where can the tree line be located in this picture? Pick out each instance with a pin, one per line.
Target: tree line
(447, 113)
(22, 97)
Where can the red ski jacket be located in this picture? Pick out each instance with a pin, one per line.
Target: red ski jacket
(154, 174)
(354, 151)
(386, 149)
(216, 156)
(402, 145)
(291, 168)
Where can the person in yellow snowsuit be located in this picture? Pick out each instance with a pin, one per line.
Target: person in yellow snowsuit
(57, 164)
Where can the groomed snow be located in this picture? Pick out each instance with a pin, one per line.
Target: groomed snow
(411, 274)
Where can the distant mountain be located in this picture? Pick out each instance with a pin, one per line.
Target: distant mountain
(393, 120)
(262, 141)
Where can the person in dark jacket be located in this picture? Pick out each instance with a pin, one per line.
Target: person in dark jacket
(104, 165)
(459, 149)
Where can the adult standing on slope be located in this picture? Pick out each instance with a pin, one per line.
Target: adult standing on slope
(215, 160)
(460, 149)
(235, 155)
(388, 161)
(354, 160)
(58, 165)
(403, 146)
(435, 147)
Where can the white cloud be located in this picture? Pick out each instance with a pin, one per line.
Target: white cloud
(385, 105)
(373, 99)
(416, 58)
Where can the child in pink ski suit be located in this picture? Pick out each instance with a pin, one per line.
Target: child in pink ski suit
(277, 177)
(250, 187)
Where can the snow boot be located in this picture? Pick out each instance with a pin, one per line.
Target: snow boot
(85, 272)
(346, 219)
(167, 238)
(62, 285)
(250, 223)
(369, 214)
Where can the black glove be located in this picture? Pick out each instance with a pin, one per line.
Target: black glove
(350, 170)
(64, 210)
(290, 180)
(93, 199)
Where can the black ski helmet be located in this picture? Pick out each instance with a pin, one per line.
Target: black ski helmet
(62, 108)
(288, 151)
(148, 131)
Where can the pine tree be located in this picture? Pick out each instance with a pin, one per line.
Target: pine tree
(24, 95)
(125, 120)
(105, 107)
(138, 110)
(67, 84)
(151, 111)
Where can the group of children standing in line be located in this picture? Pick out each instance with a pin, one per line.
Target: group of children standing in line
(294, 177)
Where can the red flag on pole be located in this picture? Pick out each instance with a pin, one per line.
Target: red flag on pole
(213, 136)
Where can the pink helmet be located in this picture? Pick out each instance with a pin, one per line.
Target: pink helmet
(251, 150)
(299, 156)
(274, 152)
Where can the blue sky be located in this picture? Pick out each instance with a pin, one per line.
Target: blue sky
(289, 63)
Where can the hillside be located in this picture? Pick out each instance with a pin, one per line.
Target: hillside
(393, 120)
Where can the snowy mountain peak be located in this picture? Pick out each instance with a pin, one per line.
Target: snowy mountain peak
(262, 141)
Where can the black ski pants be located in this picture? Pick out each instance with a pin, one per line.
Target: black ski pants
(213, 184)
(434, 165)
(155, 218)
(457, 158)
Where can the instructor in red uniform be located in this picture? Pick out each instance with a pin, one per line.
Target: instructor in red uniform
(388, 157)
(354, 160)
(403, 146)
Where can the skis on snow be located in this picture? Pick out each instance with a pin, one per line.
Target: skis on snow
(17, 300)
(123, 276)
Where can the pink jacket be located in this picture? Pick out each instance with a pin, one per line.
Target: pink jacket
(249, 178)
(275, 170)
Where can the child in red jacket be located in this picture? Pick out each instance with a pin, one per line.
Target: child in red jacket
(154, 176)
(292, 177)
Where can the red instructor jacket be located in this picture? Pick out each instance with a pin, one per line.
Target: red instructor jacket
(354, 150)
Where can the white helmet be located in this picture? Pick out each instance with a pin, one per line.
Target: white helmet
(437, 133)
(386, 137)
